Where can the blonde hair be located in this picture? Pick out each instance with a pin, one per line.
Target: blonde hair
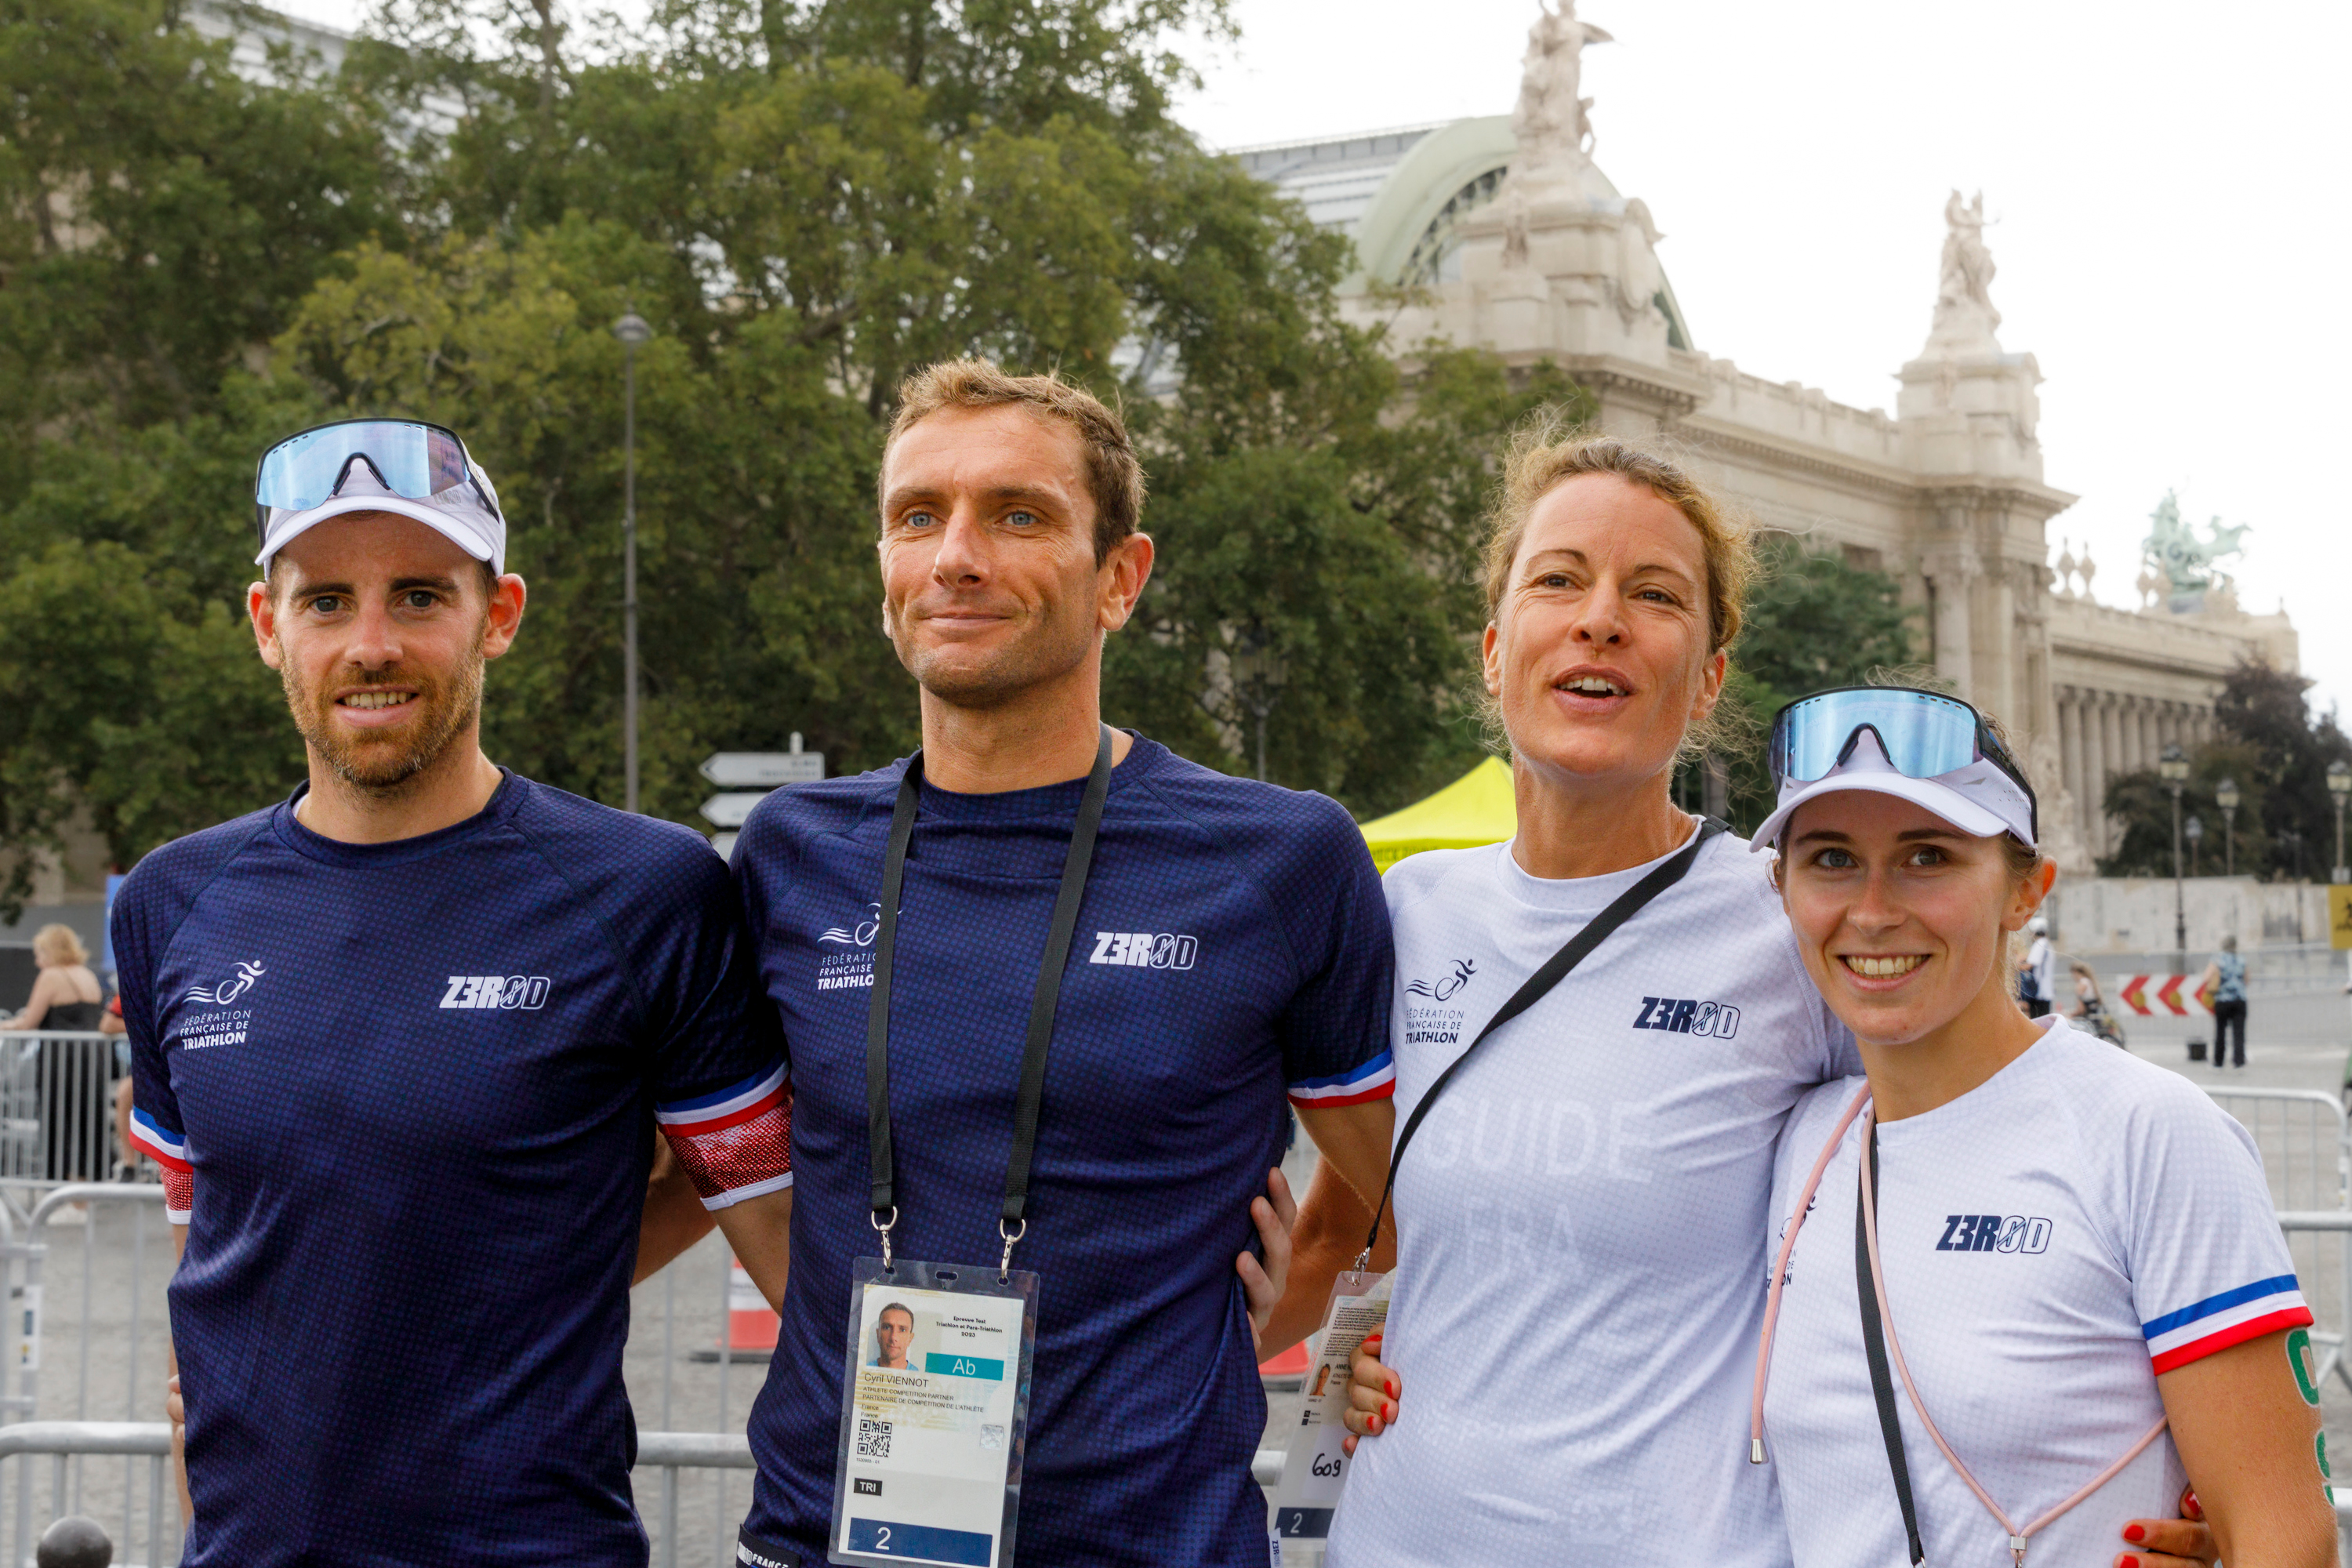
(57, 945)
(1114, 475)
(1546, 451)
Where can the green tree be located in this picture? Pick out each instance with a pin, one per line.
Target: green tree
(1815, 621)
(2142, 802)
(806, 201)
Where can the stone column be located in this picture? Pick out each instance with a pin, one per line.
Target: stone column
(1951, 575)
(2070, 750)
(2098, 719)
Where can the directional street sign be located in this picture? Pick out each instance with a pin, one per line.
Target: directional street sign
(729, 810)
(762, 770)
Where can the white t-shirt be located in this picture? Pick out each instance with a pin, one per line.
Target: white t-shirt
(2041, 958)
(2051, 1239)
(1576, 1307)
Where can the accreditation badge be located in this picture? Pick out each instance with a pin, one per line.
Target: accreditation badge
(934, 1413)
(1313, 1467)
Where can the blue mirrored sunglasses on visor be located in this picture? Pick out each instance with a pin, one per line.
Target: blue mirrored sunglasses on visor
(1925, 734)
(417, 462)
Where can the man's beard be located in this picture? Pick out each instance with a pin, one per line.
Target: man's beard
(384, 766)
(1053, 646)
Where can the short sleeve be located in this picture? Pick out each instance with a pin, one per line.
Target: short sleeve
(1335, 1030)
(721, 1083)
(155, 1128)
(2210, 1268)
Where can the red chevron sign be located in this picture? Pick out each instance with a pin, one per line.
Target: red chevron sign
(2132, 991)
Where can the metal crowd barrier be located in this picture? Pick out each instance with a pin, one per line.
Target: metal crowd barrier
(57, 1106)
(2305, 1140)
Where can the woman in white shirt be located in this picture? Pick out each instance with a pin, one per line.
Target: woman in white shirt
(1581, 1218)
(2063, 1256)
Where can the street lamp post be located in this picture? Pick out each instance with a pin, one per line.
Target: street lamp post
(2172, 767)
(2195, 829)
(2339, 785)
(631, 330)
(2225, 796)
(1258, 679)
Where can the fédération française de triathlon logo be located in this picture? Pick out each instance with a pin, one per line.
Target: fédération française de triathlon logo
(229, 990)
(860, 935)
(1443, 989)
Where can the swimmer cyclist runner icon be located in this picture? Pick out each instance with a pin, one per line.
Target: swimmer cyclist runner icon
(228, 991)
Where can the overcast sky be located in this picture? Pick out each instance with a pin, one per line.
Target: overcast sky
(2165, 182)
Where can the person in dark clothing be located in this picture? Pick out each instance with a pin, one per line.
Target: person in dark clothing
(2227, 977)
(75, 1079)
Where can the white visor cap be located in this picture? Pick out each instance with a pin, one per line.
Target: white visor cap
(1980, 799)
(457, 514)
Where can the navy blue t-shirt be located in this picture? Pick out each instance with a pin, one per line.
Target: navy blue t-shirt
(1233, 942)
(417, 1085)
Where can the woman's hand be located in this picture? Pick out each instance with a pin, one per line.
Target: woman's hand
(2183, 1542)
(1373, 1391)
(1262, 1283)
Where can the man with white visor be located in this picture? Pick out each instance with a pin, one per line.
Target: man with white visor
(400, 1044)
(2094, 1303)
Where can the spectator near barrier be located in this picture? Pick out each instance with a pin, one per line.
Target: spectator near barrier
(74, 1080)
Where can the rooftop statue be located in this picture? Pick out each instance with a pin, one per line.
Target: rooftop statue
(1964, 316)
(2185, 560)
(1551, 123)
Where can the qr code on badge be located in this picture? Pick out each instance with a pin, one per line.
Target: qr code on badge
(873, 1439)
(991, 1436)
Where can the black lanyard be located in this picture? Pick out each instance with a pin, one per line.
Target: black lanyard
(1873, 1344)
(1531, 991)
(1040, 1006)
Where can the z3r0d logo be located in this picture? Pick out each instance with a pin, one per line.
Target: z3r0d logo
(1678, 1015)
(507, 992)
(1144, 949)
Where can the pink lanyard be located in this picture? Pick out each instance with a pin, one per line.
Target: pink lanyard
(2017, 1538)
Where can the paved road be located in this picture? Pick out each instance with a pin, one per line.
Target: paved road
(118, 1260)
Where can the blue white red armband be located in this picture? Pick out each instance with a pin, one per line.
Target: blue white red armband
(169, 1150)
(1375, 1079)
(2232, 1318)
(736, 1143)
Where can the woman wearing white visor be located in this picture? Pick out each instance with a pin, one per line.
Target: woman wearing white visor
(2018, 1270)
(1582, 1191)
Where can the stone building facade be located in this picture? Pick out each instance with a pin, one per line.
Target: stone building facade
(1504, 233)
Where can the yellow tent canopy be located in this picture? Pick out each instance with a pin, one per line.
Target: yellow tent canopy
(1474, 809)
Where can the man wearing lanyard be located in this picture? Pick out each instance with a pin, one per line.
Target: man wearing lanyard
(400, 1044)
(1225, 941)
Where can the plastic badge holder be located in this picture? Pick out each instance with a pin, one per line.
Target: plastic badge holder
(929, 1468)
(1314, 1469)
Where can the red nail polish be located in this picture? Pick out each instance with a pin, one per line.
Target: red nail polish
(1375, 1424)
(2127, 1561)
(1388, 1412)
(1392, 1388)
(2135, 1532)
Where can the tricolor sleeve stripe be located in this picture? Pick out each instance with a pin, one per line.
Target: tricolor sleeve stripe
(1375, 1079)
(2232, 1318)
(736, 1144)
(728, 1107)
(160, 1143)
